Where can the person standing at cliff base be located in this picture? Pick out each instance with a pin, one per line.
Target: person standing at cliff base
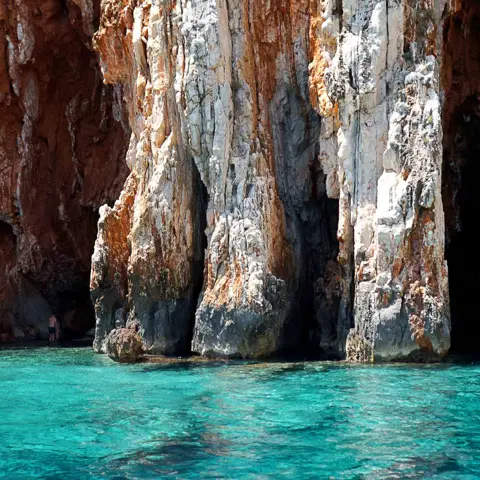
(52, 329)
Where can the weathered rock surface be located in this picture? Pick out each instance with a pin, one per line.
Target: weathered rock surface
(124, 345)
(382, 149)
(62, 155)
(306, 122)
(224, 141)
(285, 172)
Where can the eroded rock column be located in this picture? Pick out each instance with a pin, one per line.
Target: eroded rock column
(381, 146)
(224, 149)
(148, 260)
(269, 235)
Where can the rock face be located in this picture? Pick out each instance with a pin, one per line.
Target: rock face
(62, 155)
(224, 226)
(383, 149)
(307, 138)
(285, 188)
(124, 345)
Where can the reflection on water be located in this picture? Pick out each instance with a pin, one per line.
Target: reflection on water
(72, 414)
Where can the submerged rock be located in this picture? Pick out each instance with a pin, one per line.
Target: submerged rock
(124, 345)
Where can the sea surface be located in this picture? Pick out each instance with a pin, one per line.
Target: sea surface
(71, 414)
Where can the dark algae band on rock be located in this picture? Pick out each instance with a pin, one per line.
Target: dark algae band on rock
(240, 179)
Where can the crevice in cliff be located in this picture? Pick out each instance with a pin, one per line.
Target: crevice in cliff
(202, 198)
(461, 170)
(68, 293)
(6, 237)
(462, 210)
(311, 222)
(8, 246)
(319, 300)
(74, 309)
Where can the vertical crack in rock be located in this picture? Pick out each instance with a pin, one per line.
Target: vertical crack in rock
(198, 273)
(62, 150)
(461, 168)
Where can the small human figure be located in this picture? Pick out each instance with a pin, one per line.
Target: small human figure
(119, 323)
(52, 328)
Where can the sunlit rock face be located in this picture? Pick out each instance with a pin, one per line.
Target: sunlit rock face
(382, 149)
(229, 244)
(305, 140)
(124, 345)
(62, 155)
(285, 172)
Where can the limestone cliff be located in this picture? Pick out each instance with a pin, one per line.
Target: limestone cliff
(226, 180)
(287, 165)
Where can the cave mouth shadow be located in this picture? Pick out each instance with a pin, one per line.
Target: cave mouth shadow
(461, 167)
(313, 327)
(75, 312)
(198, 273)
(461, 173)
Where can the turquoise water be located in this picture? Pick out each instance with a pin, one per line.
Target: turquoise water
(71, 414)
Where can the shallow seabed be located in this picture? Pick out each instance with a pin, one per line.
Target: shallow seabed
(67, 413)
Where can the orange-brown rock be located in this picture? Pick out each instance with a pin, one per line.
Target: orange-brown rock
(124, 345)
(62, 155)
(224, 141)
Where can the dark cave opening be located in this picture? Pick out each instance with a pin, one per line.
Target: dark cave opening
(75, 312)
(461, 169)
(311, 228)
(8, 247)
(8, 243)
(319, 298)
(68, 293)
(462, 209)
(202, 199)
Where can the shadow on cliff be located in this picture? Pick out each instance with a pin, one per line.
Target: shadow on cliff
(461, 170)
(67, 134)
(315, 329)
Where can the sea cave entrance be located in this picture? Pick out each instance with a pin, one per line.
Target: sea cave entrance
(314, 329)
(461, 171)
(72, 161)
